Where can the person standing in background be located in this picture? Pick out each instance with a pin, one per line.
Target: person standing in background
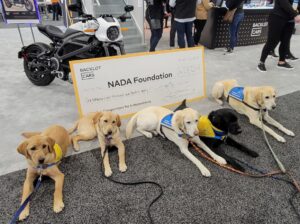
(236, 22)
(201, 18)
(184, 19)
(170, 10)
(55, 8)
(155, 16)
(281, 25)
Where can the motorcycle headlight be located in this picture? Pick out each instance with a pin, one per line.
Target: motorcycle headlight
(113, 33)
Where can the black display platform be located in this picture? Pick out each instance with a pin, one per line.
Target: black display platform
(253, 30)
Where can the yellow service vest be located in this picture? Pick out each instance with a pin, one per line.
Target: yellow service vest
(206, 129)
(58, 152)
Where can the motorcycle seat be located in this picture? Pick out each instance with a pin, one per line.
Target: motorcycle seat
(55, 32)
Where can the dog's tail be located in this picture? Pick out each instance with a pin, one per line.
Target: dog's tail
(131, 125)
(30, 134)
(218, 92)
(71, 130)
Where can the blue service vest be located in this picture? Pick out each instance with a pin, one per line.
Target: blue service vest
(237, 93)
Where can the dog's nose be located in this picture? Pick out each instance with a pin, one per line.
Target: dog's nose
(273, 107)
(41, 161)
(196, 133)
(109, 132)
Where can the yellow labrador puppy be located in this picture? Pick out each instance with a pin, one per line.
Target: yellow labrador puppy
(107, 126)
(174, 126)
(42, 149)
(248, 101)
(86, 129)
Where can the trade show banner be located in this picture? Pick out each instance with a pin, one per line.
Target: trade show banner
(20, 11)
(128, 83)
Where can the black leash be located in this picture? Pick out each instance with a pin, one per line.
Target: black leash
(135, 184)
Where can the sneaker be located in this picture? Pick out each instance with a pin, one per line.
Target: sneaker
(229, 51)
(273, 55)
(291, 58)
(261, 67)
(285, 66)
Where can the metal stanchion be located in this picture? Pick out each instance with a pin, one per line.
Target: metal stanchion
(32, 33)
(20, 34)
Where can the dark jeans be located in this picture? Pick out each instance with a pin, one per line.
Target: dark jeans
(156, 34)
(234, 29)
(172, 32)
(185, 29)
(280, 30)
(55, 8)
(199, 25)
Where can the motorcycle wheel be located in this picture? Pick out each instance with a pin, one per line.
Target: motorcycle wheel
(8, 3)
(40, 76)
(28, 5)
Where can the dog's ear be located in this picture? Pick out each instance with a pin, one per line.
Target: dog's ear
(177, 121)
(259, 98)
(97, 117)
(22, 149)
(118, 121)
(51, 143)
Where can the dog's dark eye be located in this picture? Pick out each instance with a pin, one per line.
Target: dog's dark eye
(188, 122)
(196, 121)
(114, 122)
(105, 121)
(274, 96)
(44, 146)
(267, 97)
(33, 148)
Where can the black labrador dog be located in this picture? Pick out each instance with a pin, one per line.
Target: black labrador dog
(214, 130)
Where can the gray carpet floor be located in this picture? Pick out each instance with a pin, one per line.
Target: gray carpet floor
(188, 197)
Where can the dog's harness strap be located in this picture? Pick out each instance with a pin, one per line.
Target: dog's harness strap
(238, 94)
(27, 200)
(166, 122)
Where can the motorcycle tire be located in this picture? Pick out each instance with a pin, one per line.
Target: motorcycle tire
(8, 3)
(28, 5)
(38, 78)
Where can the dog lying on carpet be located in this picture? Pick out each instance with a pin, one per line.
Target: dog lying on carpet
(214, 130)
(43, 152)
(86, 129)
(173, 126)
(249, 101)
(107, 126)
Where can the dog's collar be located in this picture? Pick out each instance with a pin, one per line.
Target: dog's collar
(167, 123)
(208, 130)
(45, 166)
(238, 94)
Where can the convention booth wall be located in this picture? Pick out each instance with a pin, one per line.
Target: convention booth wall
(253, 30)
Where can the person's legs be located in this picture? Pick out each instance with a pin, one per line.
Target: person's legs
(276, 25)
(180, 34)
(284, 41)
(54, 10)
(240, 18)
(155, 37)
(172, 32)
(199, 25)
(189, 34)
(234, 28)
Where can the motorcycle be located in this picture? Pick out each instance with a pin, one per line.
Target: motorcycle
(88, 38)
(27, 3)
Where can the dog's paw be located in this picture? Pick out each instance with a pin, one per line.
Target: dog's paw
(281, 139)
(122, 168)
(58, 206)
(290, 133)
(205, 172)
(221, 160)
(148, 134)
(155, 133)
(220, 102)
(108, 172)
(24, 214)
(76, 148)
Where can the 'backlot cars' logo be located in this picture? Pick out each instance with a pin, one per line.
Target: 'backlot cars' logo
(88, 72)
(257, 29)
